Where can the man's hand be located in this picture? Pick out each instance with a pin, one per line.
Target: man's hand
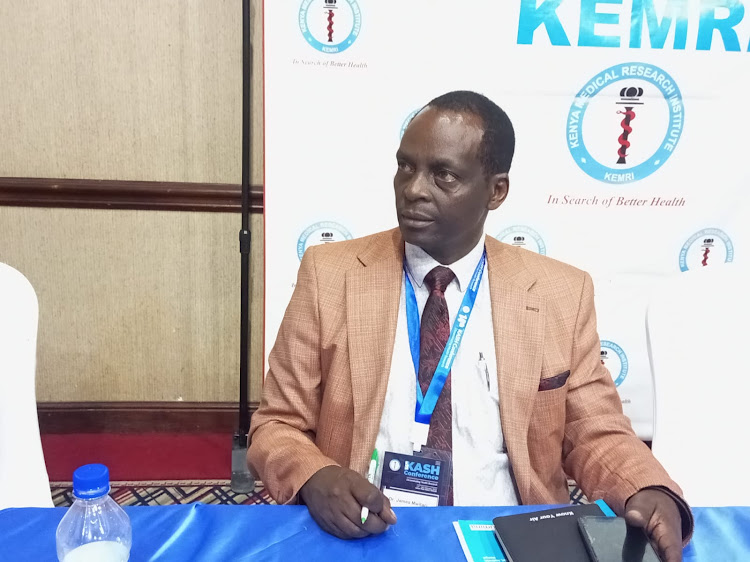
(657, 514)
(335, 497)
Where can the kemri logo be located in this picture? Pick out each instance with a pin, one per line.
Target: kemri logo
(330, 26)
(613, 357)
(394, 465)
(321, 233)
(625, 123)
(523, 237)
(706, 247)
(406, 122)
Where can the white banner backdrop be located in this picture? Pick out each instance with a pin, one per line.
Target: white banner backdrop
(629, 119)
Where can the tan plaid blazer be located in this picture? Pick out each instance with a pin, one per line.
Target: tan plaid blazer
(324, 392)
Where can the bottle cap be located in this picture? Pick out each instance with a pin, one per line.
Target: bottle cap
(91, 481)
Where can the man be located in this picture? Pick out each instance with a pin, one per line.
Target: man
(525, 389)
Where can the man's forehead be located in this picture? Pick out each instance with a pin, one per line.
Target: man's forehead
(443, 130)
(439, 119)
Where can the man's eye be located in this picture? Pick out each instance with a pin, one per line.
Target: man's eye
(445, 175)
(403, 166)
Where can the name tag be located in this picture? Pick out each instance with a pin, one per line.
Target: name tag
(416, 480)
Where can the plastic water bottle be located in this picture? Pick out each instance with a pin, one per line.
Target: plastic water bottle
(95, 528)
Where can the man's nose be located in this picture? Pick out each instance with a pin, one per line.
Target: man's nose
(417, 186)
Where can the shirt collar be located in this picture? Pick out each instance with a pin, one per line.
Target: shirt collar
(420, 263)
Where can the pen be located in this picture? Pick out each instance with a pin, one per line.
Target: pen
(371, 479)
(483, 363)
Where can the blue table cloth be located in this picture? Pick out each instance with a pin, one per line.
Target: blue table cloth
(213, 533)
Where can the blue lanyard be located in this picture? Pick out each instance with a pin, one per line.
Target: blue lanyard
(426, 404)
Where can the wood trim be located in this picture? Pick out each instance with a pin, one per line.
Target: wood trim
(139, 417)
(117, 194)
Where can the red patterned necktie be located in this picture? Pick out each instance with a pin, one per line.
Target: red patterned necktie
(434, 332)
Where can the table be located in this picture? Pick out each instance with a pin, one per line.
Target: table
(219, 533)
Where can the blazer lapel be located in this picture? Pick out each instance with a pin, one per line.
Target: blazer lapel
(372, 305)
(518, 319)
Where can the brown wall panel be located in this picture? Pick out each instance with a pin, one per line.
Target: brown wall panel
(134, 305)
(128, 89)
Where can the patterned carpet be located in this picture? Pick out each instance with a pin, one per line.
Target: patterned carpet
(170, 492)
(577, 497)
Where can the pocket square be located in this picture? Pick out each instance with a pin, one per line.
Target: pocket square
(551, 383)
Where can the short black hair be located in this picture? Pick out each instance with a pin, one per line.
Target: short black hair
(498, 141)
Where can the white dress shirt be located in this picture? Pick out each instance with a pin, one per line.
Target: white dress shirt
(481, 470)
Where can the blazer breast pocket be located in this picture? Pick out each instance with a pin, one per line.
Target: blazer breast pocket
(551, 383)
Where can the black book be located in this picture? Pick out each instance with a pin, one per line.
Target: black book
(549, 535)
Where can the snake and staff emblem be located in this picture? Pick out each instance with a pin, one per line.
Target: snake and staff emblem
(330, 26)
(330, 6)
(629, 97)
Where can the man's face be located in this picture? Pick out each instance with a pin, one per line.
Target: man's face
(442, 192)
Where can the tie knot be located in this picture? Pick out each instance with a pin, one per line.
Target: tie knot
(439, 278)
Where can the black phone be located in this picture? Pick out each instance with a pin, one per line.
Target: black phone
(610, 539)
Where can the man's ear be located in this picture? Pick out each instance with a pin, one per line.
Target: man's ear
(500, 184)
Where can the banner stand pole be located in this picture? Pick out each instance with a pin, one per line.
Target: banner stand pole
(243, 480)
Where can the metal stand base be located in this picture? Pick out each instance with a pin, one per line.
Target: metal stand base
(243, 480)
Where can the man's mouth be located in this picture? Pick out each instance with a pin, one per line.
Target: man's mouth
(416, 219)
